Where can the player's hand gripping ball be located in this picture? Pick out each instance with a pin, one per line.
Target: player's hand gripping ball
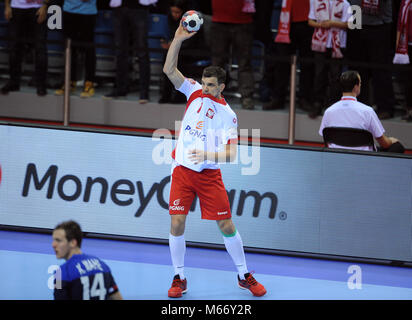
(192, 21)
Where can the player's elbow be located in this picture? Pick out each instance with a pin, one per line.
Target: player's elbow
(168, 71)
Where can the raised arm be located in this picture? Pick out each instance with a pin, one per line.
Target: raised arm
(170, 66)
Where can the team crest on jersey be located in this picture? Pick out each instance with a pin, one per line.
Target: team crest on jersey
(210, 113)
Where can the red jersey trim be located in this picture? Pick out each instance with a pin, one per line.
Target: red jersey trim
(199, 94)
(349, 98)
(194, 96)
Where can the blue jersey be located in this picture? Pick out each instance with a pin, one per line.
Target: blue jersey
(80, 7)
(84, 277)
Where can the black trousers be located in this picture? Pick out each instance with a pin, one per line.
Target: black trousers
(326, 81)
(301, 39)
(131, 25)
(371, 44)
(239, 38)
(80, 28)
(23, 27)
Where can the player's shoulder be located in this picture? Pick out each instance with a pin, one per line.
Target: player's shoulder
(228, 113)
(225, 107)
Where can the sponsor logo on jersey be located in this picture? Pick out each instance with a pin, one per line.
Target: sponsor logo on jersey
(210, 113)
(199, 125)
(195, 132)
(221, 213)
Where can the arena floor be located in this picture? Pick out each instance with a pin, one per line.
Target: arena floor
(143, 271)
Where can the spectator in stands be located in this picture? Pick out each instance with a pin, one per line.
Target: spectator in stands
(403, 53)
(262, 21)
(130, 22)
(232, 30)
(329, 18)
(205, 8)
(294, 36)
(188, 56)
(25, 16)
(350, 113)
(372, 44)
(167, 92)
(79, 21)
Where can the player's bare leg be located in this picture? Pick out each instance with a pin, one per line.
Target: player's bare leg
(234, 246)
(177, 224)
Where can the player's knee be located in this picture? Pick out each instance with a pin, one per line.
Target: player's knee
(177, 226)
(226, 226)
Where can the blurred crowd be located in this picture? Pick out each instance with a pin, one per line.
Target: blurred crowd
(327, 36)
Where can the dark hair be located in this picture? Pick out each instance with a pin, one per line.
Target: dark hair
(181, 4)
(73, 231)
(215, 71)
(348, 80)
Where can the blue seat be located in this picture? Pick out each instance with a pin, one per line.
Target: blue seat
(55, 41)
(158, 26)
(104, 22)
(55, 51)
(108, 41)
(156, 55)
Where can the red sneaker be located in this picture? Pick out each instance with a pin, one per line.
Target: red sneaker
(250, 283)
(178, 287)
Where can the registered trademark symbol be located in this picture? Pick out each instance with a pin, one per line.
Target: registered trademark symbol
(283, 215)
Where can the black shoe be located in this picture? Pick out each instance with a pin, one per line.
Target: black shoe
(115, 94)
(41, 91)
(9, 87)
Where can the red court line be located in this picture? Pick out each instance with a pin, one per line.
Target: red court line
(145, 130)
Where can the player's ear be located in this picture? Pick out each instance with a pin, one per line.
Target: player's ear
(222, 87)
(73, 243)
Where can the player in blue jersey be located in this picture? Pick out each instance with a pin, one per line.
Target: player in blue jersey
(82, 276)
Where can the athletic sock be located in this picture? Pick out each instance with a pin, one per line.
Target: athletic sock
(177, 246)
(234, 246)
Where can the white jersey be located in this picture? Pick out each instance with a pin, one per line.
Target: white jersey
(26, 4)
(208, 124)
(350, 113)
